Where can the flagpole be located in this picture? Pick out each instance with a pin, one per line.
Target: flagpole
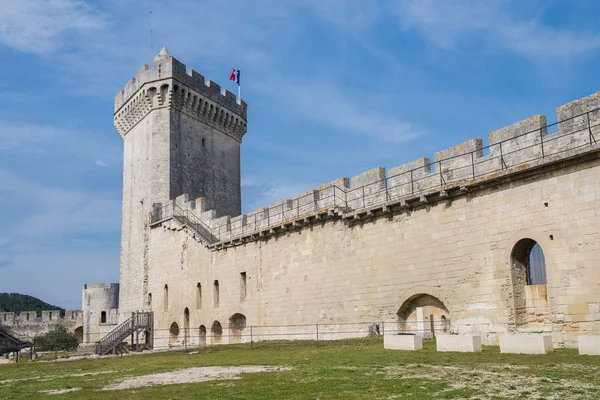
(239, 95)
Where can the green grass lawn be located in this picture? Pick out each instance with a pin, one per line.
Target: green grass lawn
(349, 369)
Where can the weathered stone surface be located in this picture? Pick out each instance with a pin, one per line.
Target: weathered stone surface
(403, 342)
(526, 344)
(589, 345)
(459, 343)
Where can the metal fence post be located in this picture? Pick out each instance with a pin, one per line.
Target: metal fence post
(251, 337)
(317, 333)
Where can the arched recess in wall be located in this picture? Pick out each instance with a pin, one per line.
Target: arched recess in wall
(150, 301)
(216, 332)
(186, 324)
(202, 335)
(79, 334)
(528, 275)
(174, 333)
(237, 324)
(424, 314)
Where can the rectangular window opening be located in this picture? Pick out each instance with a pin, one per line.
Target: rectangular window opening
(243, 286)
(216, 294)
(198, 296)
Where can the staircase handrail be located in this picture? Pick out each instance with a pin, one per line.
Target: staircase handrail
(128, 326)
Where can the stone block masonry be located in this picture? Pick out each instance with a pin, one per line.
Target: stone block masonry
(454, 247)
(29, 323)
(442, 243)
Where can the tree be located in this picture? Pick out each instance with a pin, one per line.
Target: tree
(58, 339)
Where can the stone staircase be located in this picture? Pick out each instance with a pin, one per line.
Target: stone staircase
(114, 341)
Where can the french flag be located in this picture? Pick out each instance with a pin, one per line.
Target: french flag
(235, 76)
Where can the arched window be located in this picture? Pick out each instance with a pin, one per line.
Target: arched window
(216, 332)
(528, 256)
(166, 298)
(174, 333)
(237, 324)
(186, 324)
(202, 332)
(103, 317)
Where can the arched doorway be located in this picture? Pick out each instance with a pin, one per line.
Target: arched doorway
(216, 332)
(79, 334)
(237, 324)
(425, 315)
(186, 325)
(174, 333)
(528, 273)
(202, 334)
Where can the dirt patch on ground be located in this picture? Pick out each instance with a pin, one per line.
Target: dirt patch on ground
(494, 381)
(52, 377)
(191, 375)
(59, 391)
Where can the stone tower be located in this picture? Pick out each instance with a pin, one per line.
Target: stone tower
(181, 135)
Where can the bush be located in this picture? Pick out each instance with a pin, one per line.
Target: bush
(58, 339)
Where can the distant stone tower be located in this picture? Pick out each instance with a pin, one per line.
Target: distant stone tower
(181, 135)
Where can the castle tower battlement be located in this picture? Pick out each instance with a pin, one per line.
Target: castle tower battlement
(167, 84)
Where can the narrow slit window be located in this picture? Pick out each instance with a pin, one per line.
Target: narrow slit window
(198, 296)
(216, 294)
(243, 286)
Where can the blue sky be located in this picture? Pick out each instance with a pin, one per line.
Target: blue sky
(334, 88)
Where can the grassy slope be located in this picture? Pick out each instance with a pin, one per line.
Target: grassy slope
(352, 369)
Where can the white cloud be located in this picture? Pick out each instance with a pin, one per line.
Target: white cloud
(445, 24)
(350, 14)
(19, 137)
(43, 26)
(53, 211)
(324, 102)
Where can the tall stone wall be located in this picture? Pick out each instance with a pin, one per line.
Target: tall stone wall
(28, 324)
(454, 238)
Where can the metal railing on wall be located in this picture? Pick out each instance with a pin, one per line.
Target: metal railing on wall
(521, 150)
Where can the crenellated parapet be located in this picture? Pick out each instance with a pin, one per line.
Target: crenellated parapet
(524, 147)
(169, 85)
(44, 318)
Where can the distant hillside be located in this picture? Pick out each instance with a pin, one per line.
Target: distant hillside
(16, 302)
